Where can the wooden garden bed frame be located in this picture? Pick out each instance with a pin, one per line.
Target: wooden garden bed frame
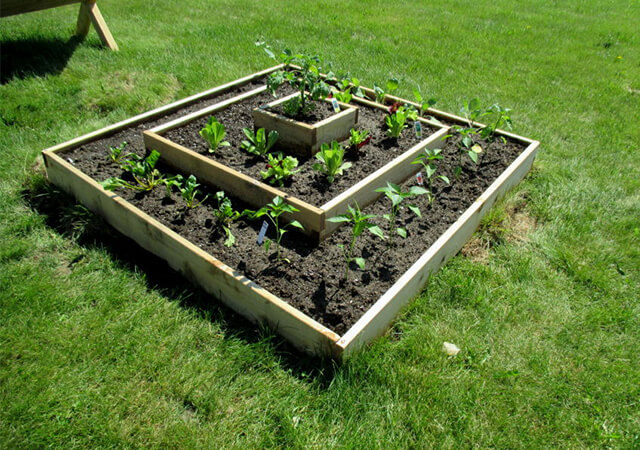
(245, 296)
(314, 218)
(89, 13)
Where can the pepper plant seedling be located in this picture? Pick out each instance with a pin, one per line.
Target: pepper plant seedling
(188, 189)
(273, 211)
(279, 168)
(225, 215)
(359, 222)
(499, 117)
(331, 161)
(259, 143)
(116, 154)
(427, 160)
(142, 170)
(214, 132)
(395, 193)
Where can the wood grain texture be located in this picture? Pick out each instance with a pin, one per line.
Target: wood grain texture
(12, 7)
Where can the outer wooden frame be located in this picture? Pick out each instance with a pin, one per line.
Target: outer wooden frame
(240, 293)
(314, 218)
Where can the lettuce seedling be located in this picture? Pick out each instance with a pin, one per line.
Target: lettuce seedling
(143, 171)
(397, 121)
(331, 161)
(259, 143)
(116, 154)
(214, 132)
(225, 215)
(359, 222)
(427, 160)
(279, 168)
(273, 211)
(499, 117)
(345, 96)
(395, 193)
(188, 189)
(357, 140)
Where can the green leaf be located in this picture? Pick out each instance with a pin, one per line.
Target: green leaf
(360, 262)
(417, 190)
(402, 232)
(474, 156)
(415, 210)
(267, 244)
(338, 219)
(296, 224)
(377, 231)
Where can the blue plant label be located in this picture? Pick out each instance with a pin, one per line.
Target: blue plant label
(336, 107)
(418, 126)
(263, 231)
(420, 178)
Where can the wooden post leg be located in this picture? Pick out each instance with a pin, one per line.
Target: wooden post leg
(89, 13)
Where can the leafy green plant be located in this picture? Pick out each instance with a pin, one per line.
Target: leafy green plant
(116, 154)
(395, 193)
(305, 78)
(357, 140)
(279, 168)
(331, 161)
(225, 215)
(380, 93)
(499, 117)
(359, 222)
(352, 85)
(188, 189)
(214, 132)
(259, 143)
(273, 211)
(343, 96)
(427, 160)
(142, 170)
(472, 111)
(397, 121)
(423, 104)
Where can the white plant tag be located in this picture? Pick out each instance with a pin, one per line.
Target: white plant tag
(450, 349)
(336, 107)
(263, 231)
(420, 178)
(418, 126)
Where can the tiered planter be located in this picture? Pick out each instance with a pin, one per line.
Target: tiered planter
(231, 286)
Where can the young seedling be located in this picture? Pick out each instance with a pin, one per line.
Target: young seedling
(142, 170)
(225, 215)
(331, 161)
(359, 222)
(395, 193)
(273, 211)
(397, 121)
(499, 117)
(357, 140)
(188, 189)
(116, 154)
(380, 93)
(344, 96)
(423, 104)
(214, 132)
(279, 168)
(427, 160)
(259, 143)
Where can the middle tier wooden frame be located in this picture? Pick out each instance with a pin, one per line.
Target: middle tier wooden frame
(313, 218)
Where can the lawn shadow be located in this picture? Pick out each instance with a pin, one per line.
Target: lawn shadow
(63, 214)
(35, 57)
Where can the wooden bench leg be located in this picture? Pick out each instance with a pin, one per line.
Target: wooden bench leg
(89, 13)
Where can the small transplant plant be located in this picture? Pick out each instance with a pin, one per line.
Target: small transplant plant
(499, 117)
(279, 168)
(214, 133)
(259, 143)
(397, 121)
(117, 155)
(344, 96)
(188, 190)
(225, 215)
(143, 171)
(357, 140)
(423, 104)
(359, 222)
(273, 211)
(395, 193)
(427, 160)
(380, 93)
(331, 161)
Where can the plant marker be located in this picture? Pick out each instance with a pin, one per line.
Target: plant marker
(418, 126)
(336, 107)
(420, 178)
(263, 231)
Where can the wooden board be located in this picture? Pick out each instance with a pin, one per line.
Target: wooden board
(12, 7)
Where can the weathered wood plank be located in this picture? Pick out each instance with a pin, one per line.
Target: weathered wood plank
(229, 286)
(99, 24)
(12, 7)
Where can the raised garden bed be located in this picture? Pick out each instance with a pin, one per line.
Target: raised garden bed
(304, 301)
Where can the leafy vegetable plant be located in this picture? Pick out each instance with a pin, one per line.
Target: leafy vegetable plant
(395, 193)
(188, 189)
(279, 168)
(380, 93)
(214, 133)
(359, 222)
(143, 170)
(499, 117)
(331, 161)
(259, 143)
(116, 154)
(357, 140)
(423, 104)
(273, 211)
(397, 121)
(225, 215)
(343, 96)
(427, 160)
(352, 85)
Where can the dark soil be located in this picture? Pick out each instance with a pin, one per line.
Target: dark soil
(307, 184)
(319, 111)
(313, 281)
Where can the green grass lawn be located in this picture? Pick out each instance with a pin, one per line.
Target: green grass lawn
(101, 346)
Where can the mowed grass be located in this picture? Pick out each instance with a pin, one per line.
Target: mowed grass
(101, 346)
